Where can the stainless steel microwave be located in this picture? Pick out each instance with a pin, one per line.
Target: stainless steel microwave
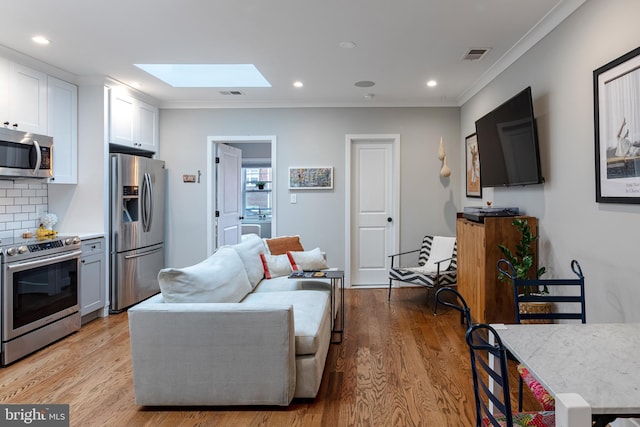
(25, 155)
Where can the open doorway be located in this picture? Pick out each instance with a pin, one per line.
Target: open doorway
(257, 186)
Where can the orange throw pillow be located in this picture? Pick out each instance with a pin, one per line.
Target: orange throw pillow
(282, 245)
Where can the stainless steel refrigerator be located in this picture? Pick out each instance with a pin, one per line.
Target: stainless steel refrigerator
(137, 201)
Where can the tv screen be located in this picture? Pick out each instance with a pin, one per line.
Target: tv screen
(508, 144)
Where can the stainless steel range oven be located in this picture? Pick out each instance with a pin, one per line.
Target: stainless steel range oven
(40, 289)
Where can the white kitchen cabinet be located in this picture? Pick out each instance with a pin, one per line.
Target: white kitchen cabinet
(27, 99)
(92, 275)
(132, 122)
(63, 127)
(4, 91)
(148, 121)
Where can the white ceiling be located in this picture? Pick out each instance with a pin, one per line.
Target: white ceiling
(400, 45)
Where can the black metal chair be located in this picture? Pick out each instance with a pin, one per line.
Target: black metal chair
(566, 301)
(501, 415)
(433, 274)
(564, 306)
(461, 306)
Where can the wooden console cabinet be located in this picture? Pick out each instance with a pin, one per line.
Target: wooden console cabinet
(490, 300)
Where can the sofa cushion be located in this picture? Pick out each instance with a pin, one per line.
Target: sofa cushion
(275, 265)
(219, 278)
(283, 283)
(307, 260)
(310, 310)
(280, 245)
(249, 250)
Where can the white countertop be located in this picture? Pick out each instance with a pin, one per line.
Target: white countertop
(600, 362)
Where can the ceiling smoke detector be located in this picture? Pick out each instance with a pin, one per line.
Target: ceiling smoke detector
(231, 92)
(476, 54)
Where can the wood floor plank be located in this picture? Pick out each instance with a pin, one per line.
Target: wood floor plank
(398, 365)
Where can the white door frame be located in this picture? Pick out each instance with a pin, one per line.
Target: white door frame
(350, 139)
(211, 185)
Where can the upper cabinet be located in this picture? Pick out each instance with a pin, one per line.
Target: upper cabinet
(23, 97)
(28, 95)
(63, 127)
(132, 122)
(32, 101)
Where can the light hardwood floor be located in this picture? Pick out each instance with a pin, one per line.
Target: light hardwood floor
(398, 365)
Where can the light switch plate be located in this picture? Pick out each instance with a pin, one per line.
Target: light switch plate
(293, 198)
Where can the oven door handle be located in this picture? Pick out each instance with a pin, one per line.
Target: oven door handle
(138, 255)
(43, 261)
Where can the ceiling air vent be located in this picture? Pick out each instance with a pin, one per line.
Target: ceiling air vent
(231, 92)
(476, 54)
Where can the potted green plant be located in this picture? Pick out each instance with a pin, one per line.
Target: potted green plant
(522, 262)
(260, 185)
(522, 259)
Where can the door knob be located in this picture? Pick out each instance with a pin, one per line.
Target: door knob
(389, 219)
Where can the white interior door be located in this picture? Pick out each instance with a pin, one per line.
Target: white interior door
(213, 185)
(228, 195)
(373, 226)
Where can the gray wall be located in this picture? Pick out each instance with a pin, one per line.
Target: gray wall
(572, 226)
(602, 237)
(313, 137)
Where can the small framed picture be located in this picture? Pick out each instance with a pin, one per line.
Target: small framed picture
(315, 178)
(474, 188)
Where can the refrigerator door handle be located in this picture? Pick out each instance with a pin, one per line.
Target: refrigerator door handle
(150, 201)
(141, 254)
(147, 203)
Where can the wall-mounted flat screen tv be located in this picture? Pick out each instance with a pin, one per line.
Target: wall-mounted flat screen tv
(508, 144)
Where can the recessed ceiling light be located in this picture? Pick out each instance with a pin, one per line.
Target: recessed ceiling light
(207, 75)
(41, 40)
(347, 45)
(364, 83)
(298, 83)
(432, 83)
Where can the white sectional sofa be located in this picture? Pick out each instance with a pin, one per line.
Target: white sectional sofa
(221, 334)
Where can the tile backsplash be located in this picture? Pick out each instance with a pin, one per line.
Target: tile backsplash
(22, 203)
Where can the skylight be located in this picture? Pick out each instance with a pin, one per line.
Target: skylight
(207, 75)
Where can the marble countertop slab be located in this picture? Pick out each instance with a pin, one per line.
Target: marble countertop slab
(600, 362)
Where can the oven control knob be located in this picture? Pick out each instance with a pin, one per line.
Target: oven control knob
(23, 249)
(72, 241)
(12, 251)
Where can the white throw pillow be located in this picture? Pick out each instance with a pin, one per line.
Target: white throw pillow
(219, 278)
(249, 250)
(307, 260)
(275, 265)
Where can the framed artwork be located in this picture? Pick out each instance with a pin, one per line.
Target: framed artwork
(301, 178)
(616, 91)
(474, 189)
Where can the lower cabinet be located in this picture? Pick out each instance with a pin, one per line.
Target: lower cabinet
(490, 300)
(92, 276)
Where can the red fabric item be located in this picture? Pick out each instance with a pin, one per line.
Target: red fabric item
(539, 392)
